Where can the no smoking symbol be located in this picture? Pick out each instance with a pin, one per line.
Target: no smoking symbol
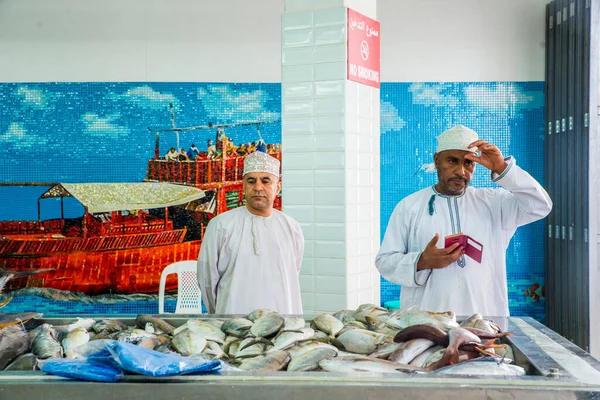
(364, 50)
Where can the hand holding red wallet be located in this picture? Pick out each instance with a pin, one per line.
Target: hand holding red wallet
(435, 258)
(472, 248)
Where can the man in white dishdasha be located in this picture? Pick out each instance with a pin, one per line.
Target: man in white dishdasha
(434, 278)
(251, 256)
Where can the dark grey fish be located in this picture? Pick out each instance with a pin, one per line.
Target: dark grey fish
(25, 362)
(14, 341)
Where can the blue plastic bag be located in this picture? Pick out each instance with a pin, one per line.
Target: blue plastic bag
(86, 370)
(139, 360)
(108, 360)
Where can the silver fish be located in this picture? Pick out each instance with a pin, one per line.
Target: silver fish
(411, 349)
(401, 319)
(217, 323)
(386, 350)
(74, 339)
(267, 325)
(305, 347)
(108, 326)
(328, 324)
(188, 342)
(435, 357)
(309, 361)
(209, 331)
(213, 349)
(484, 366)
(233, 348)
(477, 321)
(287, 339)
(359, 364)
(322, 337)
(273, 361)
(238, 327)
(293, 324)
(369, 309)
(85, 323)
(256, 314)
(422, 359)
(250, 351)
(361, 341)
(345, 315)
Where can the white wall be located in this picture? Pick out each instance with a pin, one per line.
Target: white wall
(239, 40)
(462, 40)
(140, 40)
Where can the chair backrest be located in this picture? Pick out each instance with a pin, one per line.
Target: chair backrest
(189, 296)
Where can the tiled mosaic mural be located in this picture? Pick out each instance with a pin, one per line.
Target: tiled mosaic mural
(98, 132)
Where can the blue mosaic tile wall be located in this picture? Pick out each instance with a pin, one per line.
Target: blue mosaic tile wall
(508, 114)
(97, 132)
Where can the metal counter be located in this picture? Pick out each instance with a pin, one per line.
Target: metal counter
(556, 369)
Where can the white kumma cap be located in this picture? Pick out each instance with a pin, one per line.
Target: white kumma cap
(458, 137)
(261, 162)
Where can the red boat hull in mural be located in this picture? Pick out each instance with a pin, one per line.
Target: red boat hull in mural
(116, 271)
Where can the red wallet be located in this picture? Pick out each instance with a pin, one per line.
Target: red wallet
(473, 248)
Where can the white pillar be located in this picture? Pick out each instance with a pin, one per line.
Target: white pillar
(330, 162)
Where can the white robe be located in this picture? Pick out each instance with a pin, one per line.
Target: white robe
(489, 216)
(247, 262)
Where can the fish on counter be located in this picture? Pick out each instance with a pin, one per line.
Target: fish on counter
(368, 339)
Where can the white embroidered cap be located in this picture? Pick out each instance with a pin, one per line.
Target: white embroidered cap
(261, 162)
(458, 137)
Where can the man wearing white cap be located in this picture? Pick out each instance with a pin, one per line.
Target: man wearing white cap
(438, 278)
(250, 256)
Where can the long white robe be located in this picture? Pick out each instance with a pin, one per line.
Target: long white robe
(489, 216)
(247, 262)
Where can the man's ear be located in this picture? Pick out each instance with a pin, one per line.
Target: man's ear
(436, 159)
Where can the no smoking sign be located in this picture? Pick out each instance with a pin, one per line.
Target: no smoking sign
(363, 49)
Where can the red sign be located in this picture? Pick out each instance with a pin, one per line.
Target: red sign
(363, 49)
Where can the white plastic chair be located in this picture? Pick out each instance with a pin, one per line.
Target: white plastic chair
(189, 296)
